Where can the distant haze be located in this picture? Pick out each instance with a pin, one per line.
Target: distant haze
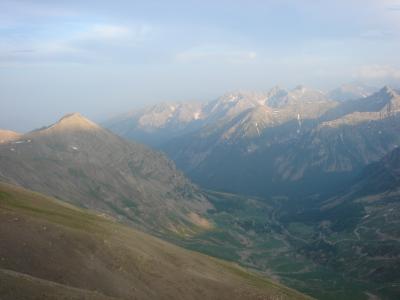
(106, 57)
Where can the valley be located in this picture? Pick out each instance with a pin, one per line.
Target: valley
(311, 203)
(303, 224)
(294, 249)
(199, 150)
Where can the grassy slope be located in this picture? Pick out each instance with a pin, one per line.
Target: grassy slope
(17, 286)
(51, 250)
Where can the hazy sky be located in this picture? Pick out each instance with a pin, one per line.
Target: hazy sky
(103, 57)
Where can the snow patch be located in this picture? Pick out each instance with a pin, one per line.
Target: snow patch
(22, 142)
(299, 122)
(258, 131)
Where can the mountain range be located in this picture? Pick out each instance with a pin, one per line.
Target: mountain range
(321, 168)
(155, 124)
(293, 184)
(277, 142)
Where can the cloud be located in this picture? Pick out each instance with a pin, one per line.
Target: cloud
(378, 72)
(85, 43)
(108, 31)
(22, 11)
(377, 34)
(216, 54)
(395, 8)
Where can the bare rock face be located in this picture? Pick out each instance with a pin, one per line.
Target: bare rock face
(79, 161)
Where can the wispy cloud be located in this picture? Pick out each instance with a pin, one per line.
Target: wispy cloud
(377, 34)
(87, 42)
(220, 54)
(108, 32)
(378, 72)
(22, 11)
(395, 8)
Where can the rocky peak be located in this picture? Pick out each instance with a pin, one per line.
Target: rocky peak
(299, 88)
(381, 99)
(351, 91)
(388, 91)
(277, 97)
(298, 95)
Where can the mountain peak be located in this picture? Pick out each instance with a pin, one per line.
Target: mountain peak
(72, 121)
(388, 91)
(72, 115)
(299, 87)
(351, 91)
(276, 90)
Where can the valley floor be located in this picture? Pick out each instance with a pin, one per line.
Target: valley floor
(320, 262)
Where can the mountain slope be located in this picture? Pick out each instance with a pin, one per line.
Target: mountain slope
(382, 176)
(349, 136)
(7, 136)
(285, 141)
(383, 103)
(53, 250)
(77, 160)
(305, 146)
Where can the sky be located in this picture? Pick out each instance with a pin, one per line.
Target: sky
(106, 57)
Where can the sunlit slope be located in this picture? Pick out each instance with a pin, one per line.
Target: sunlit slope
(79, 162)
(51, 250)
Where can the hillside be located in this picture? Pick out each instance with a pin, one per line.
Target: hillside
(77, 160)
(52, 250)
